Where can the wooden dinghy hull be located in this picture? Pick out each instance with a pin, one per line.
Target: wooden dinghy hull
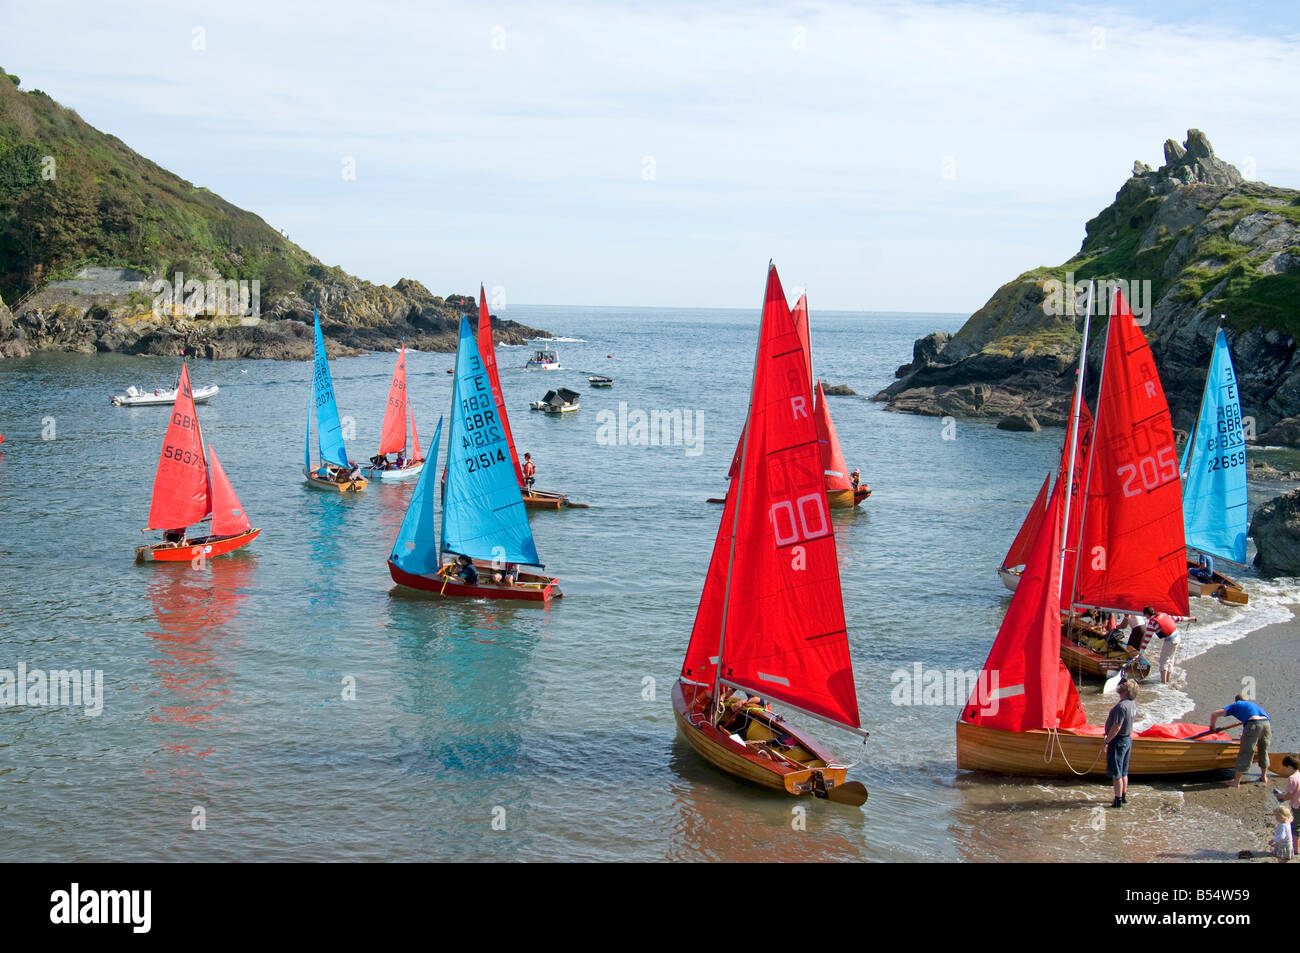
(1084, 661)
(847, 499)
(548, 500)
(1224, 588)
(532, 587)
(320, 483)
(203, 547)
(720, 750)
(393, 476)
(980, 748)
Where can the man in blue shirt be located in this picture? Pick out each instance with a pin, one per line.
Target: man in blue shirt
(1256, 733)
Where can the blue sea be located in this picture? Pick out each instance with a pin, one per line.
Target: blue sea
(285, 703)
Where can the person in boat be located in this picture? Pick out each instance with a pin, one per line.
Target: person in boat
(379, 461)
(855, 478)
(1162, 624)
(401, 460)
(508, 576)
(1119, 740)
(530, 472)
(464, 568)
(174, 536)
(1256, 734)
(1204, 571)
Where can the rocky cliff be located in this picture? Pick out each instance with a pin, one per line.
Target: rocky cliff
(1189, 241)
(88, 227)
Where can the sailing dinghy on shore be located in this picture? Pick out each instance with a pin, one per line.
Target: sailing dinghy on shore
(771, 618)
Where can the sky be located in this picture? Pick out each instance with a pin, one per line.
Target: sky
(887, 156)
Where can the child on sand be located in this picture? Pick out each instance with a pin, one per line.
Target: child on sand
(1281, 842)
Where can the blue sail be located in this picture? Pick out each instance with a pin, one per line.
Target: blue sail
(1214, 466)
(306, 447)
(329, 432)
(483, 514)
(415, 549)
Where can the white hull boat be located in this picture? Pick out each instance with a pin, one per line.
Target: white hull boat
(134, 397)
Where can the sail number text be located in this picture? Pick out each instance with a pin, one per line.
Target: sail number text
(481, 429)
(1154, 470)
(802, 519)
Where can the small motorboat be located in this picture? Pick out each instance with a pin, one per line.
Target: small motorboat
(134, 397)
(598, 381)
(543, 359)
(562, 401)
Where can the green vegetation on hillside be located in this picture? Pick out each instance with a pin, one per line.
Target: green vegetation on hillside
(70, 195)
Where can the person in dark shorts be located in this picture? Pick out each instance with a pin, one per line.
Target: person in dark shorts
(1119, 739)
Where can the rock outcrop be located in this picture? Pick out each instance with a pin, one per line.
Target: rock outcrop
(1190, 241)
(1276, 530)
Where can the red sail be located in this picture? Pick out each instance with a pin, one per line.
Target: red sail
(180, 488)
(393, 439)
(415, 439)
(1133, 551)
(801, 327)
(228, 518)
(784, 635)
(1018, 554)
(834, 469)
(488, 352)
(1024, 684)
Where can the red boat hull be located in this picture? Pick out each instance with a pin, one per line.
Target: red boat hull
(532, 587)
(203, 547)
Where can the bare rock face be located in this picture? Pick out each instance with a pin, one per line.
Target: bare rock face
(1023, 422)
(840, 390)
(1276, 531)
(1194, 241)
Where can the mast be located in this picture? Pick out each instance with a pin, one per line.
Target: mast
(1196, 424)
(739, 483)
(1087, 483)
(1073, 435)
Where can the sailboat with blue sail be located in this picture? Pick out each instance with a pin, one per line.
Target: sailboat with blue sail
(485, 536)
(1215, 511)
(335, 471)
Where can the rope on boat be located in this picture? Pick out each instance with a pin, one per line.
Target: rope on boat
(1053, 737)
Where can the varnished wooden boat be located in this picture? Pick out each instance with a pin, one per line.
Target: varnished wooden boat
(315, 479)
(847, 499)
(549, 500)
(1224, 588)
(1083, 660)
(802, 767)
(980, 748)
(201, 547)
(531, 587)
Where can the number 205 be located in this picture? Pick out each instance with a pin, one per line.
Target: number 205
(1153, 471)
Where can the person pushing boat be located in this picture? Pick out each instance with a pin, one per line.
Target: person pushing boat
(1256, 735)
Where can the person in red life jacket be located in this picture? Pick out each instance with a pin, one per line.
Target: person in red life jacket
(1166, 629)
(530, 472)
(1256, 733)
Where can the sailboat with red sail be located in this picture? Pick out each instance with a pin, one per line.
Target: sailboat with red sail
(843, 489)
(186, 491)
(533, 499)
(392, 439)
(770, 624)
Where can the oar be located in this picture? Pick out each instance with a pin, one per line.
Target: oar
(850, 792)
(1212, 731)
(714, 500)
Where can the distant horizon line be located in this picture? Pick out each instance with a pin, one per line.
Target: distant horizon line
(690, 307)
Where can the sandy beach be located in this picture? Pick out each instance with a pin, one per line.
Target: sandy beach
(1269, 656)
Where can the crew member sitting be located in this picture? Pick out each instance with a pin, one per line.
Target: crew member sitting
(1204, 571)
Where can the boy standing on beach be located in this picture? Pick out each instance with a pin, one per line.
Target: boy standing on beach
(1119, 741)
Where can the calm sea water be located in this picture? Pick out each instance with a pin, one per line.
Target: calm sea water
(224, 686)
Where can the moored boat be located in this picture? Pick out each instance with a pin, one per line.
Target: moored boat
(561, 401)
(771, 616)
(160, 397)
(335, 472)
(597, 381)
(485, 532)
(392, 438)
(187, 491)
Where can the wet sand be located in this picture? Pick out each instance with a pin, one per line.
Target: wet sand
(1269, 656)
